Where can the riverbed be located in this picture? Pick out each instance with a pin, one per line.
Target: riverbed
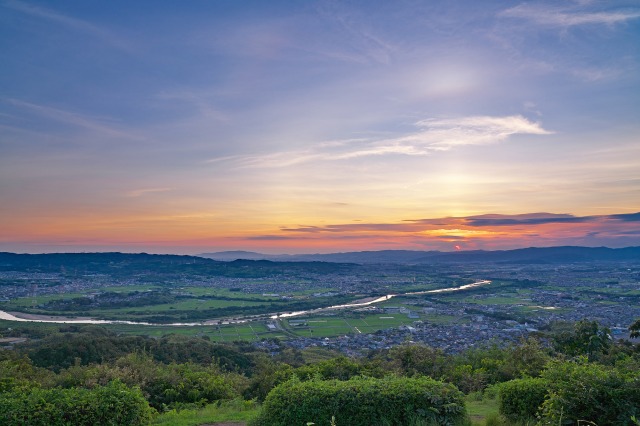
(23, 317)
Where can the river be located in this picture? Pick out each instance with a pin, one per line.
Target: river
(64, 320)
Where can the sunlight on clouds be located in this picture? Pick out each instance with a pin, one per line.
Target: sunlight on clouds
(478, 130)
(493, 231)
(435, 135)
(465, 233)
(299, 126)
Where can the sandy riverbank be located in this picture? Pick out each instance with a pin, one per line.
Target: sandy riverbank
(39, 317)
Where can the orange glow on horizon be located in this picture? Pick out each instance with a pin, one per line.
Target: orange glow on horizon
(199, 232)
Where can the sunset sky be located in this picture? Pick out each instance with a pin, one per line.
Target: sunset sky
(318, 126)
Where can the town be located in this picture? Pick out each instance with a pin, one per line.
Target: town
(520, 299)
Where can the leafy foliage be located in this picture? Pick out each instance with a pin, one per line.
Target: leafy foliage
(592, 392)
(93, 344)
(635, 329)
(163, 385)
(177, 373)
(21, 374)
(339, 368)
(113, 404)
(268, 374)
(521, 399)
(587, 338)
(416, 360)
(363, 402)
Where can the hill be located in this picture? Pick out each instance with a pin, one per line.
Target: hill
(563, 254)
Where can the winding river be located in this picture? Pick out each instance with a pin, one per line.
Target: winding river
(63, 320)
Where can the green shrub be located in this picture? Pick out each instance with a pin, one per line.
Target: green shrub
(364, 402)
(521, 399)
(591, 392)
(111, 405)
(268, 375)
(494, 419)
(164, 386)
(20, 373)
(340, 368)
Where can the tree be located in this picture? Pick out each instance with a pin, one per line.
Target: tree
(587, 338)
(526, 359)
(635, 329)
(591, 392)
(113, 404)
(414, 360)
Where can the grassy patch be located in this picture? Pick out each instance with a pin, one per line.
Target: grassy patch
(228, 411)
(481, 409)
(233, 332)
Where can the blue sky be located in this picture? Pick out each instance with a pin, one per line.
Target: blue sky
(183, 126)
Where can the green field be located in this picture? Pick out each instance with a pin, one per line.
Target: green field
(186, 305)
(218, 333)
(222, 292)
(26, 302)
(331, 326)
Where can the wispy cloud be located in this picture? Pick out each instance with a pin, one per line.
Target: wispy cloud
(362, 40)
(200, 101)
(432, 135)
(478, 130)
(72, 118)
(466, 225)
(492, 230)
(144, 191)
(271, 238)
(69, 22)
(524, 219)
(555, 16)
(629, 217)
(355, 227)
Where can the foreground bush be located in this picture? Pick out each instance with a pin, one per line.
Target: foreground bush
(364, 402)
(164, 386)
(591, 392)
(521, 399)
(114, 404)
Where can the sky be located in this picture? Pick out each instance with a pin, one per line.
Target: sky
(318, 126)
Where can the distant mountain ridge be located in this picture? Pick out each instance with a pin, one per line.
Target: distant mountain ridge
(560, 254)
(236, 262)
(169, 265)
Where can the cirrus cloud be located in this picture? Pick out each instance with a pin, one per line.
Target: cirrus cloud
(433, 134)
(554, 16)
